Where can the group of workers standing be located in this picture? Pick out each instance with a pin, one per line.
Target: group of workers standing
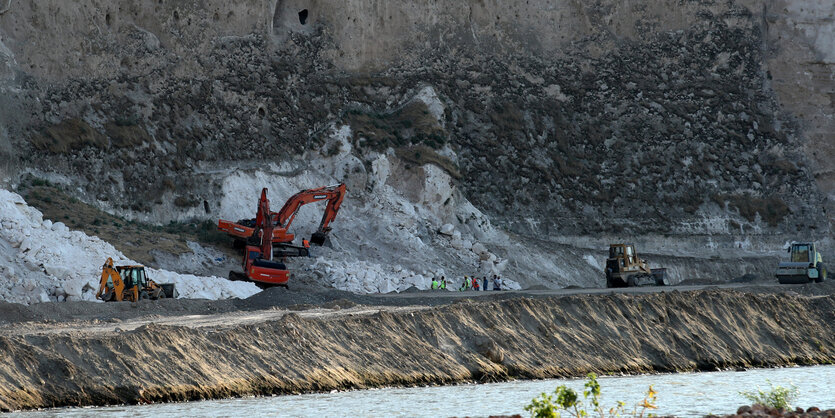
(469, 283)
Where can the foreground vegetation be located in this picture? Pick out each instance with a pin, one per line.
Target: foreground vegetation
(567, 400)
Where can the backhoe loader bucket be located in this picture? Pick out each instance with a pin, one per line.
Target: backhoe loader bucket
(169, 290)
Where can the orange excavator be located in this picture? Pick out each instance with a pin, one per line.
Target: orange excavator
(258, 265)
(243, 231)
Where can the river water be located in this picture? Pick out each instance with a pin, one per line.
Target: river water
(684, 395)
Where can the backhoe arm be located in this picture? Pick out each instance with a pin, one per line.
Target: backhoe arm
(111, 286)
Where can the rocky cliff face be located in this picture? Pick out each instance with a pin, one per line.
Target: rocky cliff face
(602, 118)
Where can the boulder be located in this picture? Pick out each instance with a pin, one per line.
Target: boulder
(479, 248)
(447, 230)
(74, 287)
(59, 227)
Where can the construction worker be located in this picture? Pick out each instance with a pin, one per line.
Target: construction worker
(466, 285)
(484, 288)
(443, 283)
(306, 245)
(497, 283)
(435, 284)
(475, 283)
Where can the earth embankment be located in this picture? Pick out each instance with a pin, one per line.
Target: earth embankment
(360, 346)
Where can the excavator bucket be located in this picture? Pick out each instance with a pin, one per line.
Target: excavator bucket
(318, 238)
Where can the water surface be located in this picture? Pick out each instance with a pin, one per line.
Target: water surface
(684, 394)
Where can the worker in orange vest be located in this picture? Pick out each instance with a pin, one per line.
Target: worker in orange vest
(306, 244)
(475, 283)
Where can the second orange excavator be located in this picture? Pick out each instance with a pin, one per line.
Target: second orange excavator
(258, 265)
(243, 231)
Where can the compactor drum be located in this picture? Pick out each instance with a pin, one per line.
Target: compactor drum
(625, 269)
(805, 265)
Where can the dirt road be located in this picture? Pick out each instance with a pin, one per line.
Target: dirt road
(51, 317)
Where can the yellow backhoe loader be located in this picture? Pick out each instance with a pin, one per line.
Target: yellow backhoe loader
(130, 283)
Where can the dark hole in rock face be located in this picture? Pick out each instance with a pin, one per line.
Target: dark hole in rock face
(303, 17)
(206, 206)
(262, 112)
(176, 15)
(107, 19)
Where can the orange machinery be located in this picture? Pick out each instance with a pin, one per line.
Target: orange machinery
(243, 231)
(258, 265)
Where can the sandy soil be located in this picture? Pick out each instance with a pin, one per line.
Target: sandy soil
(301, 340)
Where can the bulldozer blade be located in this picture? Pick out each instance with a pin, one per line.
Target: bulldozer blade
(318, 238)
(660, 276)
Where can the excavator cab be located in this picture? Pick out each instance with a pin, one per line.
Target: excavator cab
(133, 276)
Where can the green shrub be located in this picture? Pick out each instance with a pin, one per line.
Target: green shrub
(777, 397)
(567, 400)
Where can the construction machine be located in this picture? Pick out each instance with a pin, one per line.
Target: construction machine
(130, 283)
(243, 231)
(625, 269)
(805, 265)
(258, 265)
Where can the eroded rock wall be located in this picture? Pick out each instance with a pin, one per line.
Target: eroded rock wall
(606, 117)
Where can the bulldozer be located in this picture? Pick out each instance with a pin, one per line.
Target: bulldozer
(130, 283)
(625, 269)
(804, 266)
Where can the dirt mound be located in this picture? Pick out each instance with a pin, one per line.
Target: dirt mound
(477, 340)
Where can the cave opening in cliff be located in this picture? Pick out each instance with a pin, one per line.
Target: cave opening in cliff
(303, 17)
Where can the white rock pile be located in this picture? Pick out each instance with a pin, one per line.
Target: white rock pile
(42, 261)
(368, 277)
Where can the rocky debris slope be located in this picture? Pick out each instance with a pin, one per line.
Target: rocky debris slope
(42, 261)
(481, 341)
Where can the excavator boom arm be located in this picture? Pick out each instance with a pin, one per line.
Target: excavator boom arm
(334, 196)
(282, 219)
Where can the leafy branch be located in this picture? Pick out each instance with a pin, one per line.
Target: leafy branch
(567, 400)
